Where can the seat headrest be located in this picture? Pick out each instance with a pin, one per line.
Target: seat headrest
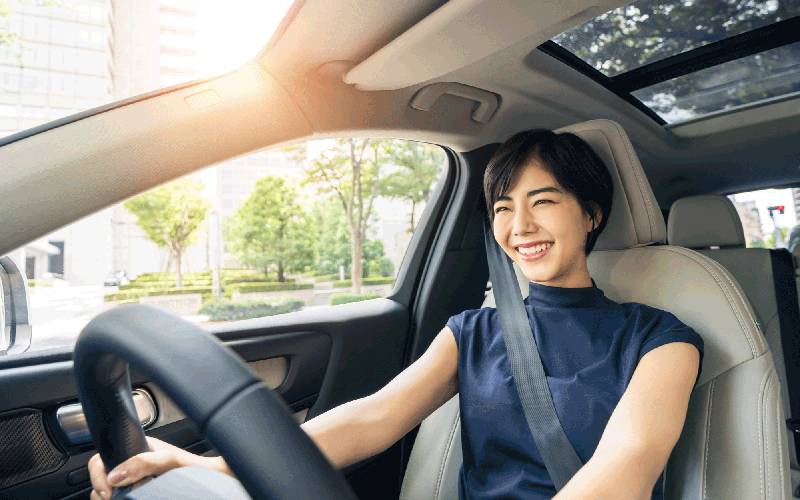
(704, 221)
(635, 219)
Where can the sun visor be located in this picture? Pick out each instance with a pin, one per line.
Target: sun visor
(464, 31)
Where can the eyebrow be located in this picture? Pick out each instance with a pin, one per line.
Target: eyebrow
(548, 189)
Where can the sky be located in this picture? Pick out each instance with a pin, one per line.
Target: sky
(231, 32)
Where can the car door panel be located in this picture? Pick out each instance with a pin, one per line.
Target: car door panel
(318, 359)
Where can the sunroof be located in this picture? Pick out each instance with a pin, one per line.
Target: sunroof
(772, 73)
(679, 60)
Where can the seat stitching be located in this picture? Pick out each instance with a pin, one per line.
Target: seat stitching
(742, 299)
(716, 276)
(447, 449)
(708, 438)
(761, 451)
(767, 463)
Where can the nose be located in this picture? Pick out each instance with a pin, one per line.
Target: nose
(524, 222)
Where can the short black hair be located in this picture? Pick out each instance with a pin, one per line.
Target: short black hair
(568, 158)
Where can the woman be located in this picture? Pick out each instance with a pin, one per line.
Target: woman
(620, 374)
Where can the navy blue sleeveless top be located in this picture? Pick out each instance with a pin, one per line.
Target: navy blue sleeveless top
(589, 346)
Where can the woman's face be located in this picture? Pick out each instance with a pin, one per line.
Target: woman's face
(535, 212)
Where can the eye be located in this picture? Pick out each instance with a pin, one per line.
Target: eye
(537, 202)
(498, 209)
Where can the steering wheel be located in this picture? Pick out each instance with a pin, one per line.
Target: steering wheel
(246, 422)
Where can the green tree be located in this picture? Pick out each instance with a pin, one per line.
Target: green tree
(419, 166)
(351, 171)
(271, 228)
(770, 241)
(332, 240)
(170, 216)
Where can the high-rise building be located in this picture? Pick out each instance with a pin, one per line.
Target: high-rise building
(751, 220)
(60, 63)
(156, 45)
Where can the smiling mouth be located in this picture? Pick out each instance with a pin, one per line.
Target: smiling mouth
(532, 251)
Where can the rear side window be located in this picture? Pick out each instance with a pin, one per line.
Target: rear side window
(769, 217)
(270, 233)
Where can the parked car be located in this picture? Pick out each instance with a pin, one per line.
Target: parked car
(709, 111)
(116, 278)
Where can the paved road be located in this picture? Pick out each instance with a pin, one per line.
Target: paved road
(59, 314)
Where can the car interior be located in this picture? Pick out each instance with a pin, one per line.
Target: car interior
(465, 75)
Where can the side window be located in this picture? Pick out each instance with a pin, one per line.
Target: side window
(297, 228)
(770, 217)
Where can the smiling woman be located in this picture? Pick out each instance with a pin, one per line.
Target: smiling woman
(548, 190)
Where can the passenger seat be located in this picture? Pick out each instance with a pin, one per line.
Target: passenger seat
(700, 222)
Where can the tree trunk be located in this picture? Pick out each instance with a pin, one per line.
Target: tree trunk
(280, 271)
(179, 276)
(413, 206)
(355, 268)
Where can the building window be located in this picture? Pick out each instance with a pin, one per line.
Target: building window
(227, 189)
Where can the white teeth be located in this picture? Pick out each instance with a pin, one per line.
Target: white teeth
(534, 249)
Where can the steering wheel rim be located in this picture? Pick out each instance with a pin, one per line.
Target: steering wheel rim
(246, 422)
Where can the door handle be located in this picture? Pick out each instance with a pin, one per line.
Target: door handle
(73, 421)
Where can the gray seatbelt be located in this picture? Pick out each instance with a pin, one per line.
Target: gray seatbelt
(559, 456)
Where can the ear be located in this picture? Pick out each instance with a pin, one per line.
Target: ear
(598, 216)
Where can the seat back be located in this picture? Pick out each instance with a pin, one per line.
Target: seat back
(732, 444)
(701, 222)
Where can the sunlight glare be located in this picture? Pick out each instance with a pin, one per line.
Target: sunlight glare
(231, 33)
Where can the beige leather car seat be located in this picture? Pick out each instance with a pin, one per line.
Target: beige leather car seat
(733, 444)
(699, 222)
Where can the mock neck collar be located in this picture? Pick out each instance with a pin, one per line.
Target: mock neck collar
(554, 296)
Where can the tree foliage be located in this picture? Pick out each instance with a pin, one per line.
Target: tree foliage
(419, 166)
(271, 228)
(650, 30)
(170, 216)
(332, 240)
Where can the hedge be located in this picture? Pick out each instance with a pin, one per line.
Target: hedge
(364, 282)
(135, 294)
(255, 279)
(326, 277)
(33, 283)
(158, 285)
(346, 298)
(268, 286)
(226, 310)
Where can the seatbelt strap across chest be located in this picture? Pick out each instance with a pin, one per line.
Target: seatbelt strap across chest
(560, 457)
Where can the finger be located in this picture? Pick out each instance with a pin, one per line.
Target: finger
(146, 464)
(94, 496)
(97, 475)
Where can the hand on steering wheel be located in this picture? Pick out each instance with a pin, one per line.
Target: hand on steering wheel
(247, 423)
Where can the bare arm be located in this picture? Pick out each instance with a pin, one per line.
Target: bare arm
(367, 426)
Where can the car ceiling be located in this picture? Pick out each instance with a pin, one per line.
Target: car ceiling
(295, 90)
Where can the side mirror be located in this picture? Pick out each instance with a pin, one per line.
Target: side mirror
(15, 336)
